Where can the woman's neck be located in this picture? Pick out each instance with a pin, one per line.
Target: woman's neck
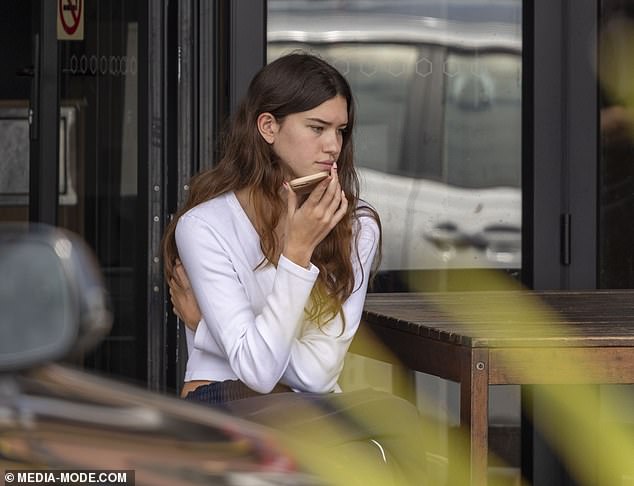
(246, 200)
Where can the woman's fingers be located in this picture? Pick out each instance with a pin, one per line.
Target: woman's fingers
(291, 199)
(341, 210)
(184, 303)
(174, 297)
(335, 202)
(333, 193)
(181, 276)
(318, 193)
(176, 294)
(308, 224)
(333, 188)
(322, 196)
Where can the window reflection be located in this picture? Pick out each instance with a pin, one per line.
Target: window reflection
(616, 169)
(438, 141)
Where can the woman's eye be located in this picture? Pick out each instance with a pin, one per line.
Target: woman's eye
(317, 129)
(342, 131)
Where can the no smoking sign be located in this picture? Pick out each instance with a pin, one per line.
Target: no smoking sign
(70, 19)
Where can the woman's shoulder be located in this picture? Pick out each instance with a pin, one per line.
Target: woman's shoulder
(367, 222)
(213, 211)
(366, 214)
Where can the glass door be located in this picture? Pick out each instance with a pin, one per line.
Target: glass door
(28, 113)
(16, 52)
(99, 79)
(69, 149)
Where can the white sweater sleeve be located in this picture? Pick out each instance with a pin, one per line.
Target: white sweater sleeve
(257, 347)
(317, 355)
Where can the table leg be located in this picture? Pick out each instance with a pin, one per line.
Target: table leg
(474, 414)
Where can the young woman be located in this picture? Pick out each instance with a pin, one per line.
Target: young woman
(280, 279)
(272, 283)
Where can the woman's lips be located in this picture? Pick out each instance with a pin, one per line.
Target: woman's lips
(327, 164)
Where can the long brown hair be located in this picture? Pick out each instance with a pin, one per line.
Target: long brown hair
(293, 83)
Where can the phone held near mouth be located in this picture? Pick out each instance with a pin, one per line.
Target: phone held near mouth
(304, 185)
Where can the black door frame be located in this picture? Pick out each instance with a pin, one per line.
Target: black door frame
(154, 145)
(44, 115)
(561, 165)
(561, 145)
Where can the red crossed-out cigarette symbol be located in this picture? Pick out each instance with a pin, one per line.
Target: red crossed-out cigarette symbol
(74, 7)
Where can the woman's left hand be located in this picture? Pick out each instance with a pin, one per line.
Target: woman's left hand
(183, 299)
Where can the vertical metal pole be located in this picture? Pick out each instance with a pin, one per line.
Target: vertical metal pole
(152, 146)
(187, 148)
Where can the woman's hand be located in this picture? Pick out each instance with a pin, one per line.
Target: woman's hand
(183, 299)
(307, 225)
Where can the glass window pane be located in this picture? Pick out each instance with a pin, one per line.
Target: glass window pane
(616, 168)
(438, 136)
(15, 89)
(99, 91)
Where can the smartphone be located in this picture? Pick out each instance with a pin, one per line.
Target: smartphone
(304, 185)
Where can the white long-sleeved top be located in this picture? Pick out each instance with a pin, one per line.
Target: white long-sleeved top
(253, 325)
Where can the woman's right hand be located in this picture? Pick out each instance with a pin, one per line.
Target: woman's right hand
(309, 223)
(183, 299)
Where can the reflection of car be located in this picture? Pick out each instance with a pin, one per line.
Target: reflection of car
(53, 416)
(438, 144)
(436, 226)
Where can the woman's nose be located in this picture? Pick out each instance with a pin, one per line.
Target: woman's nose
(332, 143)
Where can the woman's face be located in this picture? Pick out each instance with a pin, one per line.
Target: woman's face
(310, 141)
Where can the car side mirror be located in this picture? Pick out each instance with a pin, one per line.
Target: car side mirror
(52, 300)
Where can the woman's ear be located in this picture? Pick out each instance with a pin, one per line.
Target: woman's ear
(267, 126)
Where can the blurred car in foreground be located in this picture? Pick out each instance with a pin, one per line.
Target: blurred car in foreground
(52, 416)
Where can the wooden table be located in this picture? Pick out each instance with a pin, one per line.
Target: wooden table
(491, 338)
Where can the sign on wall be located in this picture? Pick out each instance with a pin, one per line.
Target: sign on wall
(70, 19)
